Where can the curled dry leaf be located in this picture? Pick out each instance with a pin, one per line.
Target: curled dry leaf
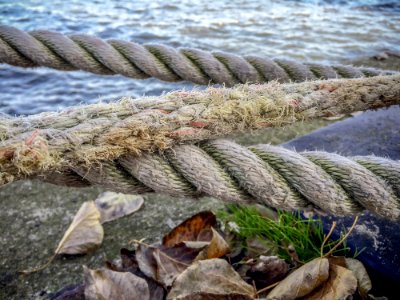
(85, 232)
(214, 247)
(129, 263)
(198, 232)
(194, 239)
(106, 284)
(359, 271)
(302, 281)
(337, 260)
(191, 229)
(212, 279)
(340, 285)
(113, 206)
(164, 264)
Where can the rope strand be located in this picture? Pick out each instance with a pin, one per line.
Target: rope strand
(91, 54)
(266, 174)
(104, 132)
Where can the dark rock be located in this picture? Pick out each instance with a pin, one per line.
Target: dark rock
(373, 132)
(267, 270)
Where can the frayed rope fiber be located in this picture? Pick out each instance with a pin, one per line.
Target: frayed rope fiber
(92, 134)
(91, 54)
(264, 174)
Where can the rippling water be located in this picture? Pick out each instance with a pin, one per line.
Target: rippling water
(310, 30)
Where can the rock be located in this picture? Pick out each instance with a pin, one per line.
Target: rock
(373, 132)
(267, 270)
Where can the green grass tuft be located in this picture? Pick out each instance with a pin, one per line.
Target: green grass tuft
(305, 235)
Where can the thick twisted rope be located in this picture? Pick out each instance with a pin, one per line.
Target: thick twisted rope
(100, 132)
(266, 174)
(91, 54)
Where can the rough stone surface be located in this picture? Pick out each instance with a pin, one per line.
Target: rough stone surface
(373, 132)
(35, 215)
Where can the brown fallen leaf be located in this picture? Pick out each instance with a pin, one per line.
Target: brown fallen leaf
(211, 279)
(191, 229)
(214, 246)
(113, 206)
(164, 264)
(84, 234)
(196, 232)
(129, 263)
(337, 260)
(359, 271)
(302, 281)
(340, 285)
(106, 284)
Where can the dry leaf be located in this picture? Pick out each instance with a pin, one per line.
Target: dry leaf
(164, 264)
(214, 248)
(116, 205)
(106, 284)
(337, 260)
(359, 271)
(191, 229)
(340, 285)
(129, 263)
(302, 281)
(85, 232)
(212, 279)
(198, 232)
(194, 239)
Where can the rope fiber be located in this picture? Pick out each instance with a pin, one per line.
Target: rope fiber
(266, 174)
(136, 146)
(109, 57)
(105, 131)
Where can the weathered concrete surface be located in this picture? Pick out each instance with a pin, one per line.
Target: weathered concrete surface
(373, 132)
(35, 215)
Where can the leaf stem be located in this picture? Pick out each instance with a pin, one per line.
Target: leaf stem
(268, 287)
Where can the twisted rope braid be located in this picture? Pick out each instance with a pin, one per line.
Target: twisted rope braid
(91, 54)
(103, 132)
(266, 174)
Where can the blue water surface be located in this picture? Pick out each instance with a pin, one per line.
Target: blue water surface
(310, 30)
